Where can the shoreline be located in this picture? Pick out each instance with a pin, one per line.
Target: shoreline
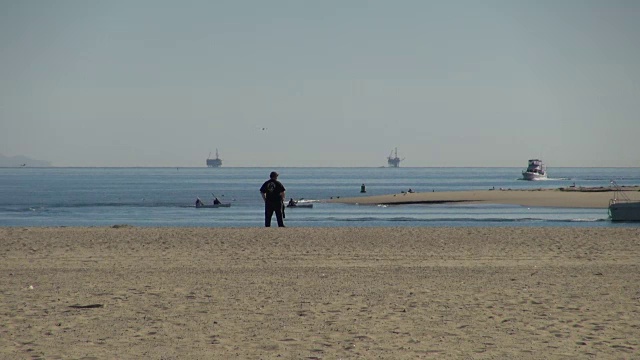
(581, 197)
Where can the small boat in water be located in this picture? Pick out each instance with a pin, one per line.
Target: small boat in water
(306, 205)
(213, 205)
(293, 203)
(536, 170)
(624, 211)
(621, 208)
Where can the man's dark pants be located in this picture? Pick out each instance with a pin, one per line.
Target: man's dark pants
(269, 209)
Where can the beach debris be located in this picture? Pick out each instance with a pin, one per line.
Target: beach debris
(90, 306)
(30, 287)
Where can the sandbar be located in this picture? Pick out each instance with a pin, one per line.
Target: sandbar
(562, 197)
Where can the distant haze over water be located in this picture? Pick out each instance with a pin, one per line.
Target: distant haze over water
(21, 161)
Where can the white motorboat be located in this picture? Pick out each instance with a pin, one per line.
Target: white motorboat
(621, 208)
(536, 170)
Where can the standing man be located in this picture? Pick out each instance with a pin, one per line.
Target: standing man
(273, 195)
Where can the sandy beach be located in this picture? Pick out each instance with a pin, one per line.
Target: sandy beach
(317, 293)
(562, 197)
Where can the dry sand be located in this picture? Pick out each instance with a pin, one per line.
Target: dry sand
(568, 197)
(317, 293)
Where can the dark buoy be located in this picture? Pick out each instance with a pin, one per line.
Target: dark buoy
(363, 189)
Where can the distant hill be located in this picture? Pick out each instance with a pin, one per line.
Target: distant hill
(19, 160)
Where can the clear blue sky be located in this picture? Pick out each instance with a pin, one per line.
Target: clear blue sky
(334, 83)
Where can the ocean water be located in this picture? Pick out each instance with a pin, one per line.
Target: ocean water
(166, 196)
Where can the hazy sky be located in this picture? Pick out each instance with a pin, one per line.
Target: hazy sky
(333, 83)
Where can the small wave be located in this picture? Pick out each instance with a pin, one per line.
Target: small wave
(90, 205)
(24, 209)
(457, 219)
(591, 220)
(548, 179)
(359, 219)
(302, 201)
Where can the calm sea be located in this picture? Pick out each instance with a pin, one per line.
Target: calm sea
(165, 196)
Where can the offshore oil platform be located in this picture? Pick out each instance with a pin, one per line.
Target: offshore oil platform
(217, 162)
(393, 160)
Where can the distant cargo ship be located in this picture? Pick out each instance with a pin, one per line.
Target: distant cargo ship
(394, 160)
(217, 162)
